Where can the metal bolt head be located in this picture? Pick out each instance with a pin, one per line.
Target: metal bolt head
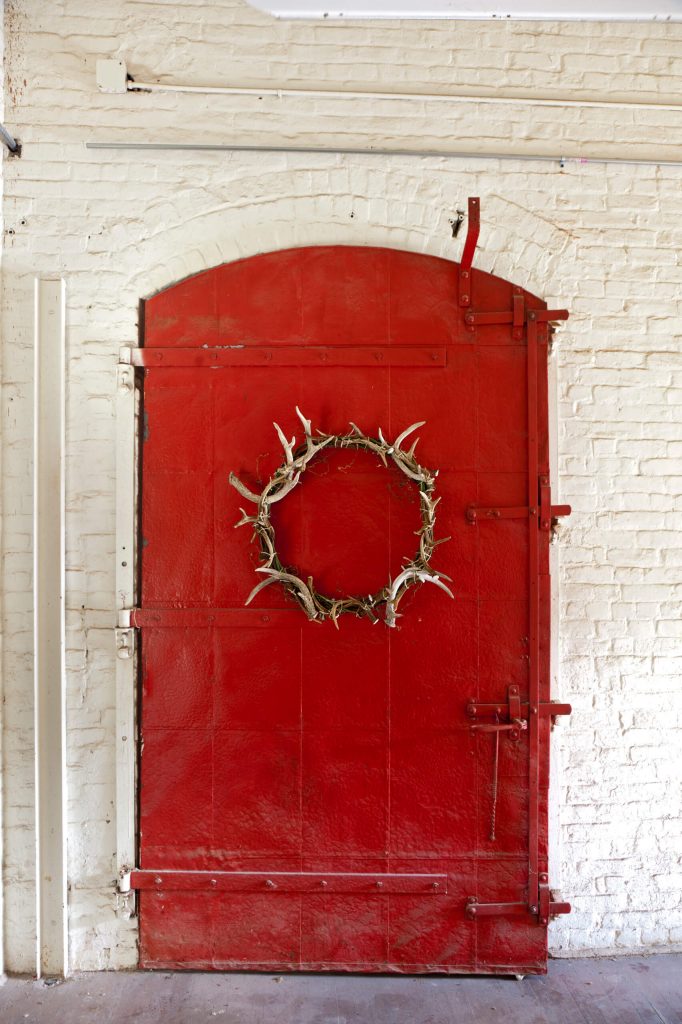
(270, 884)
(158, 880)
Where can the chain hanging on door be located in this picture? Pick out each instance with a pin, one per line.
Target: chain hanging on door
(319, 606)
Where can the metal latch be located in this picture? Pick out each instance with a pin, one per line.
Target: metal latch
(125, 642)
(516, 710)
(548, 908)
(516, 716)
(514, 725)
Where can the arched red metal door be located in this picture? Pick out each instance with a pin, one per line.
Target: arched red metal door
(362, 799)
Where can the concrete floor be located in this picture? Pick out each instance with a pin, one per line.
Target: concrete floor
(624, 990)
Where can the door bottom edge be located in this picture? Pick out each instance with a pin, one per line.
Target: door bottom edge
(239, 967)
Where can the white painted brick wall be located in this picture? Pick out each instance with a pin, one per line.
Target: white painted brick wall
(601, 239)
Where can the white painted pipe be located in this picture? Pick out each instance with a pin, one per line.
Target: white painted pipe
(424, 97)
(198, 147)
(8, 139)
(529, 10)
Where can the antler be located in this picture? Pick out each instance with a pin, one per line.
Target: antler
(244, 490)
(319, 606)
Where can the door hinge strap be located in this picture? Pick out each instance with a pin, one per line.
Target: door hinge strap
(473, 231)
(473, 319)
(548, 512)
(203, 618)
(475, 909)
(374, 883)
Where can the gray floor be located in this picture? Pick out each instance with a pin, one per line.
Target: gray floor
(623, 990)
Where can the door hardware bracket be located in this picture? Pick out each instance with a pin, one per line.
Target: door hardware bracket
(544, 912)
(125, 642)
(547, 907)
(521, 710)
(476, 512)
(473, 231)
(474, 319)
(545, 512)
(514, 725)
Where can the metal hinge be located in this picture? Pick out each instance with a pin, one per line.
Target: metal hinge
(124, 635)
(548, 908)
(516, 316)
(544, 511)
(473, 231)
(277, 882)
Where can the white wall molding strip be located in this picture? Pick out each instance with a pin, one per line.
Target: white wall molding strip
(49, 631)
(126, 505)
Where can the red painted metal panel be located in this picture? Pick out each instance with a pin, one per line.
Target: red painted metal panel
(277, 748)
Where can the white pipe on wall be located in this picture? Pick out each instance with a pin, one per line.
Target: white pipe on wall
(198, 147)
(476, 10)
(430, 97)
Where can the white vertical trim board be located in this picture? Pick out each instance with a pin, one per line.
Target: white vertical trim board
(49, 628)
(126, 506)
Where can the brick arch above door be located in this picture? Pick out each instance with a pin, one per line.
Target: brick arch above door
(517, 242)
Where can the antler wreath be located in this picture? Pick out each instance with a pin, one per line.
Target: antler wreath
(318, 606)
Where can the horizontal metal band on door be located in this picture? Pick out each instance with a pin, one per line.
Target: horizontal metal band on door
(287, 355)
(227, 618)
(291, 882)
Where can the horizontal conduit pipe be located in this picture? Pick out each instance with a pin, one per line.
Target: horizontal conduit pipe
(531, 101)
(420, 154)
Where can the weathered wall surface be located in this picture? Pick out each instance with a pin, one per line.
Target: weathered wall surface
(602, 239)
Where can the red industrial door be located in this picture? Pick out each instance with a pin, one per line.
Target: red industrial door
(363, 798)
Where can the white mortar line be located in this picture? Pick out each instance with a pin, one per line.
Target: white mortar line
(429, 97)
(49, 629)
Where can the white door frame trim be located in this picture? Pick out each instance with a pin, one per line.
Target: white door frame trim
(127, 404)
(49, 586)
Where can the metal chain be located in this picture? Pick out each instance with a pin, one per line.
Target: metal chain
(493, 813)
